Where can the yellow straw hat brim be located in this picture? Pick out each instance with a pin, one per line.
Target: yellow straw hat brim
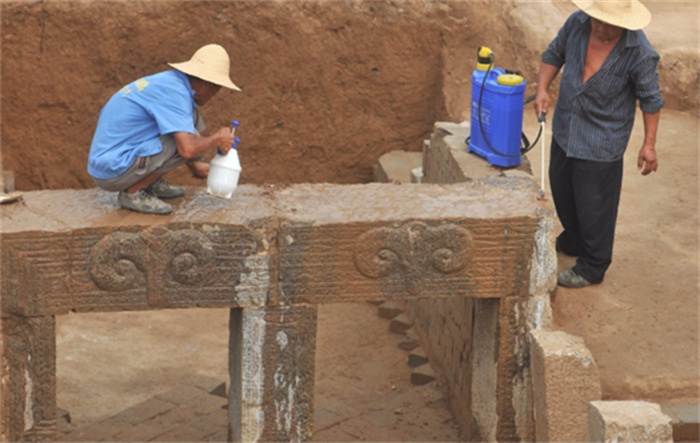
(210, 63)
(628, 14)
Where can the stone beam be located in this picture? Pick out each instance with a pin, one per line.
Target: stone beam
(380, 242)
(75, 251)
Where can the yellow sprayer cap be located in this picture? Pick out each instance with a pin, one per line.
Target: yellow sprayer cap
(510, 80)
(484, 58)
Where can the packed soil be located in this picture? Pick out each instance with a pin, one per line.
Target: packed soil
(328, 87)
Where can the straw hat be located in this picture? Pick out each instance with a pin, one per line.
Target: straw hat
(210, 63)
(628, 14)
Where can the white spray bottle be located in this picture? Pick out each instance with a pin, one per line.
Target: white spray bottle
(224, 170)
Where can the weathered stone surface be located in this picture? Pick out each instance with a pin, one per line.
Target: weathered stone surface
(565, 379)
(103, 264)
(28, 379)
(628, 421)
(474, 240)
(272, 364)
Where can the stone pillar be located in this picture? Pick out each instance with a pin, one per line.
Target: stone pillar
(28, 371)
(565, 379)
(272, 366)
(628, 421)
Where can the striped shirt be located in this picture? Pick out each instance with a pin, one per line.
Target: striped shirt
(593, 121)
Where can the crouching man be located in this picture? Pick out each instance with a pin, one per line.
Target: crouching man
(152, 126)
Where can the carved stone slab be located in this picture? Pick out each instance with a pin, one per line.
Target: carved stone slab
(426, 259)
(163, 266)
(379, 241)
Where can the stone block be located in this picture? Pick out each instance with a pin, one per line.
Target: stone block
(447, 158)
(565, 379)
(400, 324)
(409, 341)
(390, 309)
(420, 247)
(422, 375)
(396, 166)
(417, 357)
(628, 421)
(272, 366)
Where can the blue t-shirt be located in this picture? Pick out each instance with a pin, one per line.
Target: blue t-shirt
(132, 121)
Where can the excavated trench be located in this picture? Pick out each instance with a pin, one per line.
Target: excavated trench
(328, 87)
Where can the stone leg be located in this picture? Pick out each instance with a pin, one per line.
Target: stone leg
(272, 365)
(502, 404)
(28, 371)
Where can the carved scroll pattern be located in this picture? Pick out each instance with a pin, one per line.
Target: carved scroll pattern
(122, 261)
(412, 250)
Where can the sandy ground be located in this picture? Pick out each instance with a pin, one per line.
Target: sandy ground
(641, 323)
(363, 390)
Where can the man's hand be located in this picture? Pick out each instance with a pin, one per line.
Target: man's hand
(541, 103)
(223, 140)
(199, 170)
(647, 161)
(191, 146)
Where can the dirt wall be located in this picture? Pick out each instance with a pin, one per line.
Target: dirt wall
(328, 87)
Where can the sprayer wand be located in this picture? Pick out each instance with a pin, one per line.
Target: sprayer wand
(542, 118)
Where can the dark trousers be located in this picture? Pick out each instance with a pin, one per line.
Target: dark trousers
(586, 196)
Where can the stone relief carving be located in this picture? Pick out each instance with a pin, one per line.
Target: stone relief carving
(120, 261)
(412, 249)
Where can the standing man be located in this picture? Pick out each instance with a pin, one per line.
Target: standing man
(609, 66)
(152, 126)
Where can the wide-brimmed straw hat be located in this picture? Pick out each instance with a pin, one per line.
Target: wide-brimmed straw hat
(628, 14)
(210, 63)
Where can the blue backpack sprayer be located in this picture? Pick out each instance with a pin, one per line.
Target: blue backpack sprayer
(498, 98)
